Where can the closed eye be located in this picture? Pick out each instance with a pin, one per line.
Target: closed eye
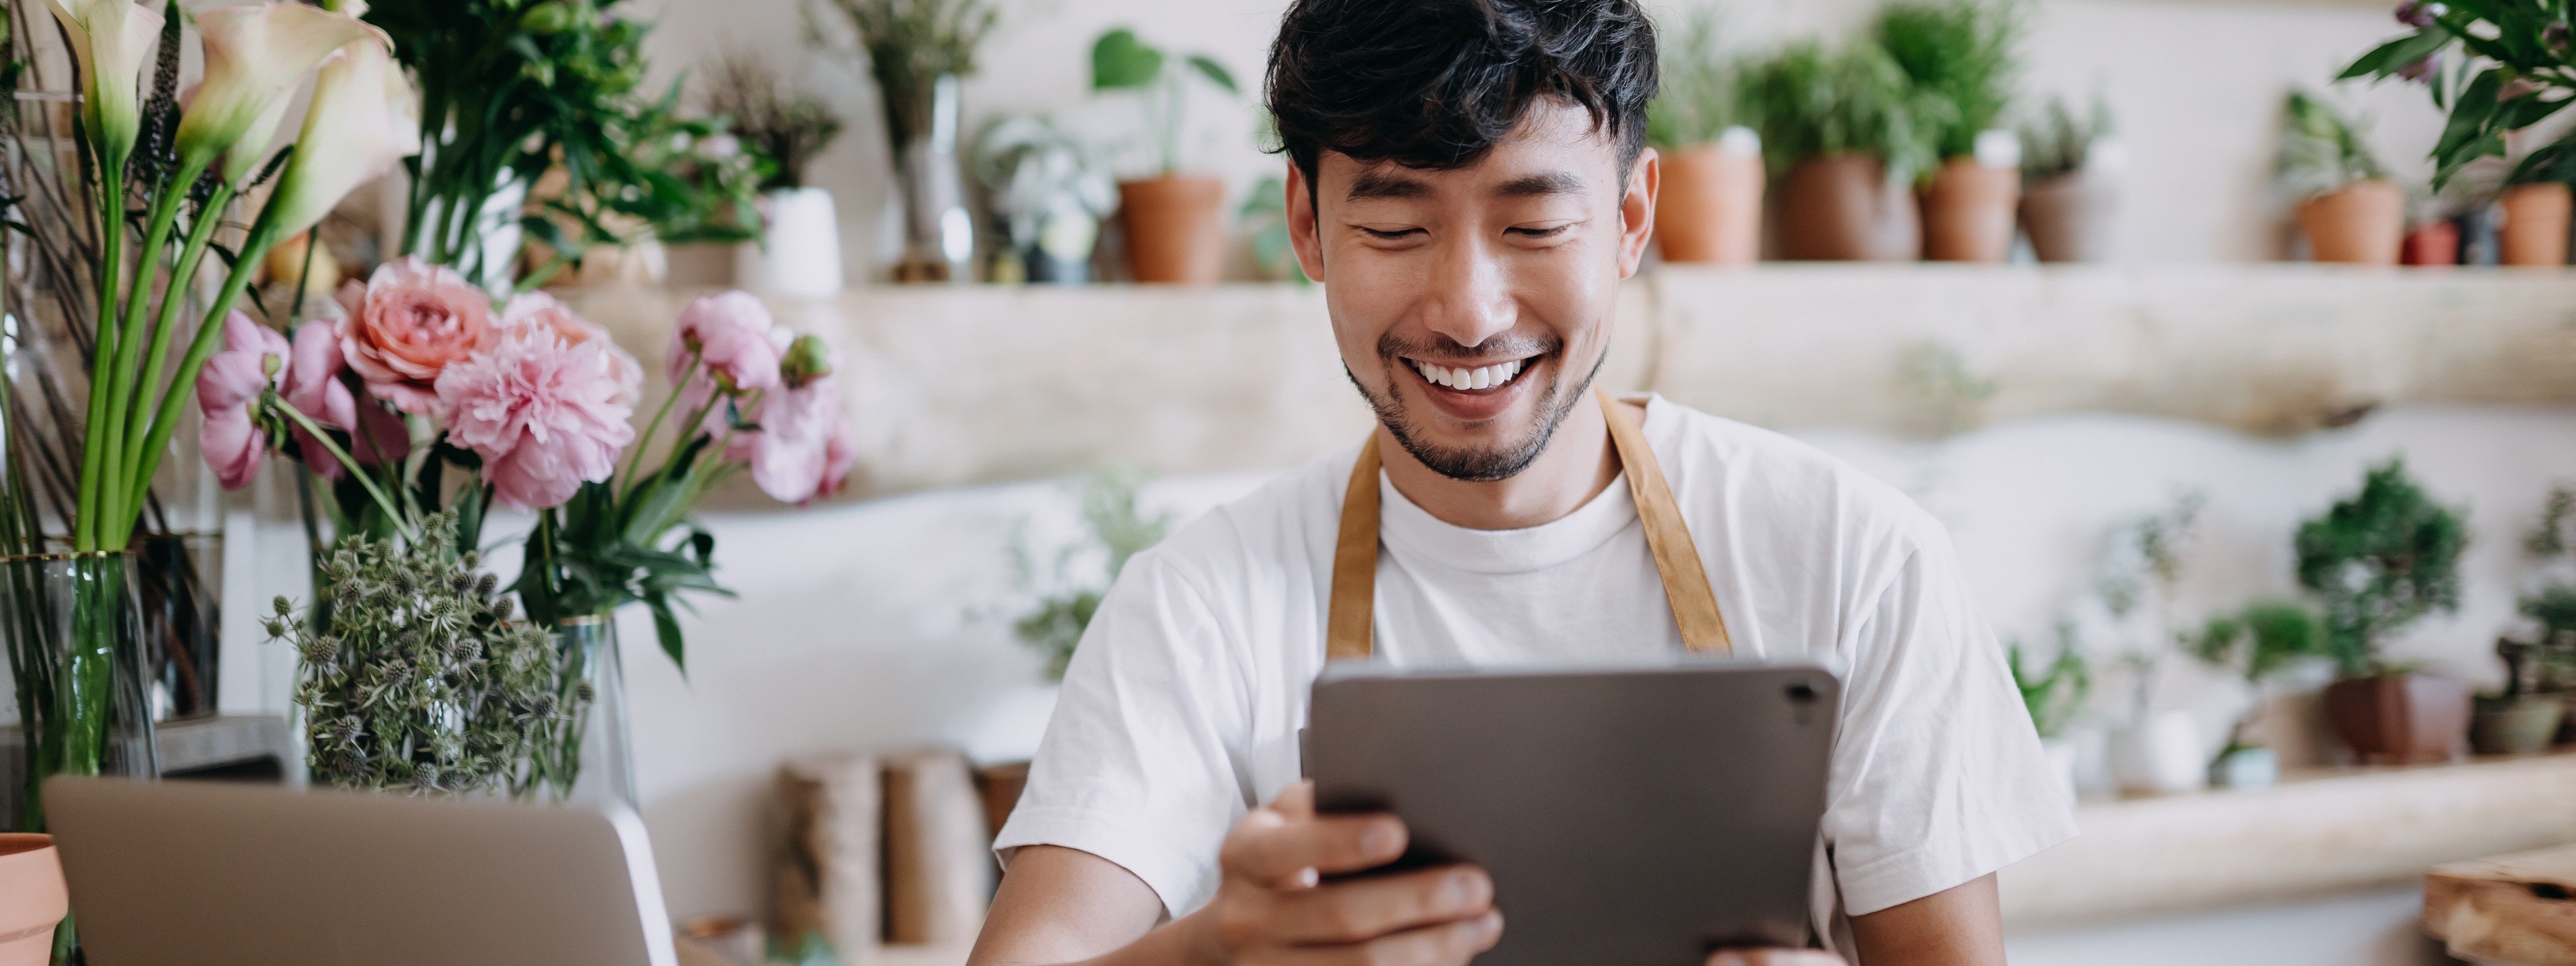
(1548, 231)
(1382, 234)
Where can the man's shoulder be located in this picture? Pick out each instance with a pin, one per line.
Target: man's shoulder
(1761, 478)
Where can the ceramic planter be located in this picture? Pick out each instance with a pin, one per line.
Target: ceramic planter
(2535, 224)
(32, 898)
(2522, 725)
(1175, 228)
(1968, 212)
(2360, 223)
(2399, 718)
(1710, 208)
(801, 256)
(2161, 755)
(2433, 243)
(1841, 207)
(2069, 217)
(2245, 768)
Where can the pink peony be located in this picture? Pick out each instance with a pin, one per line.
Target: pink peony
(803, 450)
(735, 341)
(407, 324)
(541, 309)
(252, 360)
(542, 412)
(314, 387)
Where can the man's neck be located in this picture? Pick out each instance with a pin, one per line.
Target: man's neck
(1576, 466)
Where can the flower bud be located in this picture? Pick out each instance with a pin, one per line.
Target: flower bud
(807, 359)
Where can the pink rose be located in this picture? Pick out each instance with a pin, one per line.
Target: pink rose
(802, 450)
(541, 309)
(734, 340)
(407, 324)
(542, 412)
(232, 379)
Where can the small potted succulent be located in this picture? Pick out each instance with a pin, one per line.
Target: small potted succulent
(786, 127)
(2054, 695)
(2070, 191)
(1175, 221)
(2155, 751)
(1709, 209)
(1959, 55)
(1048, 191)
(2255, 645)
(2378, 562)
(2347, 207)
(1846, 134)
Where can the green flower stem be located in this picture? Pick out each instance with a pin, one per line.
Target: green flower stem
(121, 400)
(165, 419)
(635, 463)
(164, 328)
(383, 502)
(97, 466)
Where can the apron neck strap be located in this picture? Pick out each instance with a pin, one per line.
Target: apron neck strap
(1349, 624)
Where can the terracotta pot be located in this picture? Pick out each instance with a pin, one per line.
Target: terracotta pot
(2431, 244)
(32, 898)
(1175, 228)
(1840, 207)
(2535, 224)
(2359, 223)
(1968, 212)
(1710, 208)
(2069, 217)
(2521, 726)
(2399, 718)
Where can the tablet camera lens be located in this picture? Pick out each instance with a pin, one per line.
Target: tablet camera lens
(1802, 693)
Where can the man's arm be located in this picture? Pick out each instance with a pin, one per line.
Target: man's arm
(1959, 926)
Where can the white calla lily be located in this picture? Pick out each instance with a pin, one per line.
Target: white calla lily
(112, 40)
(362, 122)
(254, 55)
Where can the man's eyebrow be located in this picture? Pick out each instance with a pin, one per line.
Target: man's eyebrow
(1543, 183)
(1381, 184)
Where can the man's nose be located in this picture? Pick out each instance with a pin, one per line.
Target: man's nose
(1466, 296)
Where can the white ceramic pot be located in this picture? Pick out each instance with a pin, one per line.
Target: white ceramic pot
(2160, 755)
(802, 255)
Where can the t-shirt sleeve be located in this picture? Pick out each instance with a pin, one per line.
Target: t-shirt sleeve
(1938, 777)
(1135, 766)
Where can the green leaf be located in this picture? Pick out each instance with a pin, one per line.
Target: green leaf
(667, 628)
(1216, 72)
(1119, 61)
(2388, 57)
(2469, 116)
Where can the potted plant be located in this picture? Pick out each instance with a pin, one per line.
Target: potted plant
(2550, 605)
(1709, 209)
(920, 52)
(1175, 222)
(2154, 751)
(1959, 55)
(786, 127)
(2053, 696)
(2347, 207)
(2262, 641)
(1844, 132)
(33, 898)
(2518, 720)
(2069, 172)
(2378, 562)
(1048, 192)
(1265, 219)
(2534, 233)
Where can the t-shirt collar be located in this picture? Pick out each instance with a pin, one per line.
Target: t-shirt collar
(1412, 531)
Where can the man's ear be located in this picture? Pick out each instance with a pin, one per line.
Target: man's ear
(1303, 233)
(1637, 211)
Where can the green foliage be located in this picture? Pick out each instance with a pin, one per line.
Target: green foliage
(2553, 606)
(1120, 61)
(2058, 142)
(786, 125)
(2145, 561)
(1703, 91)
(2495, 67)
(2055, 693)
(425, 682)
(2259, 641)
(2321, 148)
(1265, 216)
(1814, 102)
(909, 46)
(1115, 530)
(2378, 562)
(1959, 53)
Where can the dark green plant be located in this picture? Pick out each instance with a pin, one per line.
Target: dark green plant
(2379, 561)
(1121, 62)
(2059, 142)
(786, 125)
(1960, 54)
(2495, 67)
(1265, 216)
(1703, 88)
(2321, 148)
(2256, 644)
(2553, 606)
(1814, 102)
(1115, 530)
(426, 683)
(909, 45)
(2055, 693)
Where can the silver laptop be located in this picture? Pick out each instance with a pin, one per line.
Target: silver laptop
(211, 874)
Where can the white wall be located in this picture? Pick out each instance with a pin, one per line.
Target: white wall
(2196, 86)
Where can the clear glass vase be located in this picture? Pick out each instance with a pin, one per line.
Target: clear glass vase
(75, 656)
(939, 233)
(586, 757)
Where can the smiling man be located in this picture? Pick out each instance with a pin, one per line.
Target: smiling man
(1468, 180)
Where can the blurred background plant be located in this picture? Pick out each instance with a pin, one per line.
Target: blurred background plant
(1960, 55)
(1815, 102)
(785, 125)
(2321, 148)
(2378, 561)
(2055, 693)
(908, 46)
(1068, 588)
(2495, 69)
(2255, 644)
(1122, 62)
(1704, 92)
(2057, 141)
(1048, 189)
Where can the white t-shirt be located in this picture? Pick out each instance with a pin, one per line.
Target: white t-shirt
(1182, 706)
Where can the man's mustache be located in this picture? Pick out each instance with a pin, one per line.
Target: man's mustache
(1440, 347)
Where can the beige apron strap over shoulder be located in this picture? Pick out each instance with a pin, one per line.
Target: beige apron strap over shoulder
(1348, 625)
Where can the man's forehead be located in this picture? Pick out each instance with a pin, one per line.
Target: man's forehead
(1555, 150)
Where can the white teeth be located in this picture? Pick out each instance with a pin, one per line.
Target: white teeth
(1484, 378)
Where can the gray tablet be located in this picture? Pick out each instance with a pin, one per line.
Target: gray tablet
(1629, 817)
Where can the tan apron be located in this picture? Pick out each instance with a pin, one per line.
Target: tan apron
(1349, 632)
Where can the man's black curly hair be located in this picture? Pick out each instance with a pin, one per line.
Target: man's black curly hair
(1434, 83)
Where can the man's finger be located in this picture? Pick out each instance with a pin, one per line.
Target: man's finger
(1277, 851)
(1364, 909)
(1449, 944)
(1297, 802)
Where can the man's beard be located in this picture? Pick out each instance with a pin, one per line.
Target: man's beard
(1476, 465)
